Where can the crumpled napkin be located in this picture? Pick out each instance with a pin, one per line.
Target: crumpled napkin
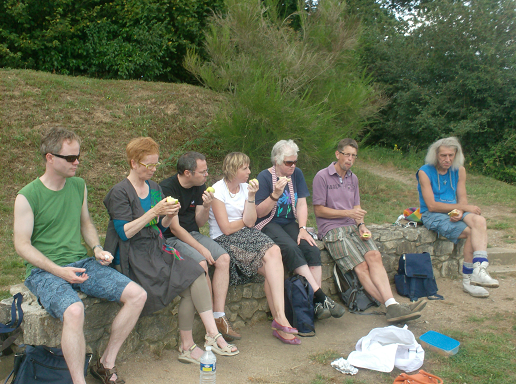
(343, 366)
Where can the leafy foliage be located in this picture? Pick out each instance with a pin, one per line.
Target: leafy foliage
(451, 70)
(124, 39)
(303, 85)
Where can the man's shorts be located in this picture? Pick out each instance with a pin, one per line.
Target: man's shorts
(441, 223)
(186, 250)
(346, 247)
(56, 294)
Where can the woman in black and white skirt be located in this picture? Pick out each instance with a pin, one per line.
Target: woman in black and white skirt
(232, 218)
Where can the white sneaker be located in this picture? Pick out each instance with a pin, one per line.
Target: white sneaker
(481, 277)
(471, 289)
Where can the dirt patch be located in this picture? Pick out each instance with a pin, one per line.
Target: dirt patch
(263, 359)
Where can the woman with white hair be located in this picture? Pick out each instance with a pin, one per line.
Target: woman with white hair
(444, 207)
(282, 215)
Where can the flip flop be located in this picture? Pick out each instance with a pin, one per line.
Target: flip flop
(212, 342)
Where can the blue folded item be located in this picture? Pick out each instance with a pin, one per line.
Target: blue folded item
(440, 343)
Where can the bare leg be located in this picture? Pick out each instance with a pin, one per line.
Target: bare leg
(468, 247)
(272, 270)
(72, 341)
(478, 227)
(373, 277)
(317, 274)
(220, 283)
(133, 297)
(187, 341)
(305, 271)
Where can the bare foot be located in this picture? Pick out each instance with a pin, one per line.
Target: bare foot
(287, 336)
(221, 342)
(196, 353)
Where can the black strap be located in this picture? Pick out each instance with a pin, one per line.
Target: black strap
(15, 309)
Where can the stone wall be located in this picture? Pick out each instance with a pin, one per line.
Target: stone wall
(245, 304)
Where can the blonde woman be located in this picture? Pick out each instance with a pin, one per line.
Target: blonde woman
(232, 218)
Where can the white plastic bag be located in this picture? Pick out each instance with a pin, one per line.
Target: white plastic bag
(385, 348)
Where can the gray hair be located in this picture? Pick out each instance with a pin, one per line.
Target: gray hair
(450, 142)
(282, 149)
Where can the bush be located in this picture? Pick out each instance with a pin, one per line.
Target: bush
(285, 84)
(124, 39)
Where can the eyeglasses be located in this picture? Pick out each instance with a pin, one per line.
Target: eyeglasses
(204, 173)
(290, 163)
(155, 165)
(352, 155)
(69, 158)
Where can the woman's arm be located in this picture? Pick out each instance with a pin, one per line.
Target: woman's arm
(160, 209)
(221, 215)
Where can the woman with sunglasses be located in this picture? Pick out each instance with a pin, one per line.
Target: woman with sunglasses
(232, 218)
(282, 215)
(138, 214)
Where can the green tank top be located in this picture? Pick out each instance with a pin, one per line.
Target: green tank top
(57, 220)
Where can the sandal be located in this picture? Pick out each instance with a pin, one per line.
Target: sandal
(186, 356)
(212, 342)
(104, 374)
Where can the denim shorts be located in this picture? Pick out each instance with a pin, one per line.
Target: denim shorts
(56, 294)
(441, 223)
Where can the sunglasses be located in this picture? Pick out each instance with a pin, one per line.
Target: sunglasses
(68, 158)
(290, 163)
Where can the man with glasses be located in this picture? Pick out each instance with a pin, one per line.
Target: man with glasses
(50, 214)
(189, 187)
(340, 221)
(445, 210)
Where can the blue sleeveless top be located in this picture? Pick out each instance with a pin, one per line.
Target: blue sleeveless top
(443, 186)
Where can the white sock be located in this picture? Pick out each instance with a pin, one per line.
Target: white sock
(390, 302)
(218, 314)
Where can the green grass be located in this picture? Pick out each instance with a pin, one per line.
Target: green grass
(325, 357)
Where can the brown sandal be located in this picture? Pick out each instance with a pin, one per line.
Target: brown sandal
(104, 374)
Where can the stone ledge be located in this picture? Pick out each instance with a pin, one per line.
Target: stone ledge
(245, 304)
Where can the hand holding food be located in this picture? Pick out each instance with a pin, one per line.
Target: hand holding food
(171, 200)
(454, 213)
(210, 189)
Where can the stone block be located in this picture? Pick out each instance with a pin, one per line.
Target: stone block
(411, 234)
(247, 291)
(258, 317)
(247, 308)
(235, 293)
(450, 268)
(427, 236)
(425, 248)
(325, 257)
(99, 313)
(443, 247)
(327, 271)
(392, 234)
(405, 247)
(387, 247)
(258, 291)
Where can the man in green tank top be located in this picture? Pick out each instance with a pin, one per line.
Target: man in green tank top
(50, 215)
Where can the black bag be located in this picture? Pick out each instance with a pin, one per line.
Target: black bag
(41, 364)
(415, 277)
(299, 305)
(12, 327)
(353, 295)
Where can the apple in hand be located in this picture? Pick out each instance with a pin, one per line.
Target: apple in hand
(210, 189)
(171, 200)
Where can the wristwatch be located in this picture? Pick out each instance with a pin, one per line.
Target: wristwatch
(97, 246)
(303, 227)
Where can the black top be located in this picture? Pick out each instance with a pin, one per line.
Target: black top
(188, 198)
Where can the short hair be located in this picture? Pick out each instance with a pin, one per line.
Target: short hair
(347, 143)
(53, 139)
(282, 149)
(140, 147)
(451, 142)
(188, 162)
(232, 162)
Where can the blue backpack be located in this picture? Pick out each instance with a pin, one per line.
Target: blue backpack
(415, 277)
(299, 305)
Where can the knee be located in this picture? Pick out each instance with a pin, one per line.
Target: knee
(74, 314)
(273, 254)
(134, 295)
(362, 269)
(222, 261)
(373, 257)
(479, 222)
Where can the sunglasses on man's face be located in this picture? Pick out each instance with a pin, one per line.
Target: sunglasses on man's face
(69, 158)
(290, 163)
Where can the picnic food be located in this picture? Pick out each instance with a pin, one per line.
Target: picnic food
(366, 235)
(171, 200)
(255, 180)
(210, 189)
(453, 213)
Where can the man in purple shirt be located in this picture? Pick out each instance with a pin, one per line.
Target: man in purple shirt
(340, 221)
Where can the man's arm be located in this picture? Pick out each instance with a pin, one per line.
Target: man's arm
(183, 235)
(202, 212)
(89, 233)
(23, 227)
(462, 200)
(356, 213)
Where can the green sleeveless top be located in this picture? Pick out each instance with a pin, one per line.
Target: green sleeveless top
(57, 220)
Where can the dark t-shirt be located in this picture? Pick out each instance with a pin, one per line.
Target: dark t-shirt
(188, 198)
(284, 213)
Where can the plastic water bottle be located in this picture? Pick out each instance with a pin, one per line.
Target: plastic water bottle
(208, 367)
